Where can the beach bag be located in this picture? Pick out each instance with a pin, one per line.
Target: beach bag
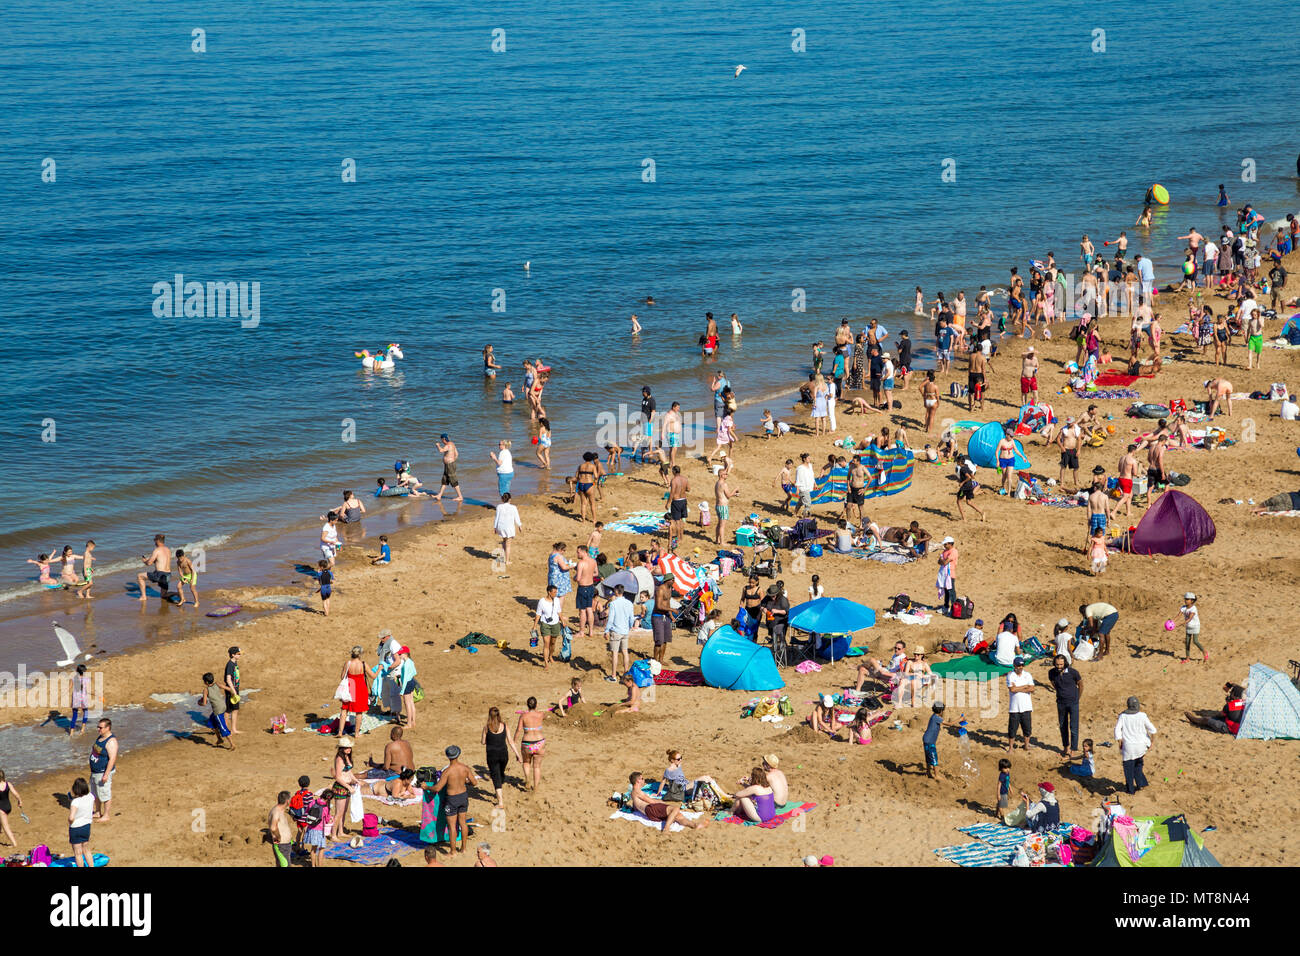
(641, 675)
(1277, 391)
(765, 708)
(901, 603)
(356, 812)
(566, 646)
(963, 609)
(952, 647)
(311, 814)
(418, 694)
(674, 793)
(705, 799)
(784, 707)
(41, 856)
(426, 776)
(344, 691)
(815, 551)
(1084, 650)
(370, 825)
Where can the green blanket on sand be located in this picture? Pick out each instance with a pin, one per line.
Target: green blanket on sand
(970, 667)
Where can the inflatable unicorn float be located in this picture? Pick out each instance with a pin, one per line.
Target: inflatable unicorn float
(382, 360)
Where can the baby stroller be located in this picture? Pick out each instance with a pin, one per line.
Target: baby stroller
(691, 612)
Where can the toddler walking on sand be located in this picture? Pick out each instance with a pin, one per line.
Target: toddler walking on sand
(1097, 552)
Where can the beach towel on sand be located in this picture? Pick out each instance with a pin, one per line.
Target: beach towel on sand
(641, 818)
(691, 678)
(388, 801)
(376, 850)
(784, 812)
(640, 522)
(970, 667)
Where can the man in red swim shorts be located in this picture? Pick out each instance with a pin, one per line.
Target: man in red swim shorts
(659, 811)
(1128, 467)
(1029, 375)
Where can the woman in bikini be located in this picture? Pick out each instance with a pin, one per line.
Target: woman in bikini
(341, 789)
(68, 574)
(532, 742)
(585, 484)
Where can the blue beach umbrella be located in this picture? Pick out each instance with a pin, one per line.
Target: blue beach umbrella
(832, 615)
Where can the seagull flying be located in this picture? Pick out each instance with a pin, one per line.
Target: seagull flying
(739, 70)
(71, 650)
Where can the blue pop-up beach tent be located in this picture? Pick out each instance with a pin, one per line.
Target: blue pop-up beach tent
(733, 662)
(983, 447)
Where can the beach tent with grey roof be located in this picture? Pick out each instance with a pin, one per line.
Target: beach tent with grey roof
(1272, 709)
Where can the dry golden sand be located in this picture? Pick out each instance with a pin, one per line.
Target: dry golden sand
(874, 804)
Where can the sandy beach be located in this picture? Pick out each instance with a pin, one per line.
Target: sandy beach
(183, 802)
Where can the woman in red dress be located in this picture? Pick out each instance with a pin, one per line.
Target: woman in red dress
(354, 672)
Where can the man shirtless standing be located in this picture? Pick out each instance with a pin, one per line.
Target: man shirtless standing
(1098, 510)
(161, 559)
(454, 785)
(1068, 440)
(1128, 466)
(678, 488)
(585, 577)
(672, 429)
(722, 493)
(857, 491)
(449, 480)
(1156, 465)
(1029, 376)
(1006, 455)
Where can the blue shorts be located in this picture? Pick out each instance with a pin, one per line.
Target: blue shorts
(218, 723)
(674, 439)
(1096, 523)
(931, 755)
(79, 836)
(1080, 771)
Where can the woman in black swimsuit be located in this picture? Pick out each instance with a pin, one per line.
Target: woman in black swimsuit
(751, 598)
(7, 791)
(499, 744)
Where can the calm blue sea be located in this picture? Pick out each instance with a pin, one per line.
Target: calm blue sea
(818, 170)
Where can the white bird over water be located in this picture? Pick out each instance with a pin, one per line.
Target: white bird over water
(739, 70)
(71, 649)
(528, 264)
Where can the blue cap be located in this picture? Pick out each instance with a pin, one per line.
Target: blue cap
(1018, 662)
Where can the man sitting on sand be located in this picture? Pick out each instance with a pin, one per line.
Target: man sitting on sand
(657, 810)
(397, 754)
(1228, 720)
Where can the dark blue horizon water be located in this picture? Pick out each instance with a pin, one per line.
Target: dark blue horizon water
(818, 170)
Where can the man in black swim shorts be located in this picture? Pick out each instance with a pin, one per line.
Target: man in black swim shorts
(454, 785)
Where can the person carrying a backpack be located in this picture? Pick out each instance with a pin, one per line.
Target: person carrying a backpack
(316, 820)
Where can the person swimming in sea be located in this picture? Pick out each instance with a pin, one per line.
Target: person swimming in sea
(507, 395)
(42, 561)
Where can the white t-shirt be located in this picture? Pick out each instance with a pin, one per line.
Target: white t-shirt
(804, 479)
(887, 373)
(1247, 306)
(329, 533)
(815, 592)
(1290, 410)
(1020, 703)
(1004, 649)
(505, 463)
(1211, 251)
(973, 636)
(83, 810)
(547, 612)
(1063, 645)
(507, 520)
(1192, 618)
(1134, 731)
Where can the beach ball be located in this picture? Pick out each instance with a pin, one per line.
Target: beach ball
(534, 439)
(1169, 625)
(1110, 429)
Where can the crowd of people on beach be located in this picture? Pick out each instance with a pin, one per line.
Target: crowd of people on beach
(862, 375)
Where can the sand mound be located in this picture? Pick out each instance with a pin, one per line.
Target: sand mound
(803, 734)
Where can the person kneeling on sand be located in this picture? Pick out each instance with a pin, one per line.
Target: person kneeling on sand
(657, 810)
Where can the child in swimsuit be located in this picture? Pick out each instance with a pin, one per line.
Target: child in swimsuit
(633, 699)
(572, 698)
(507, 395)
(860, 729)
(544, 442)
(1097, 552)
(87, 570)
(43, 562)
(188, 576)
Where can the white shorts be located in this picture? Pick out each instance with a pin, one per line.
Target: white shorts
(617, 643)
(103, 792)
(327, 551)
